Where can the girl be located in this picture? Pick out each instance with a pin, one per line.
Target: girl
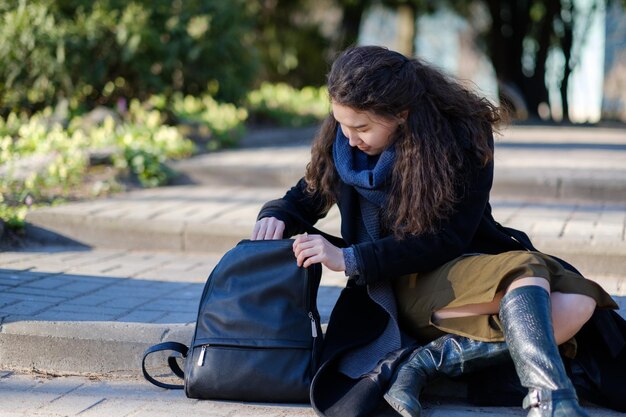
(407, 155)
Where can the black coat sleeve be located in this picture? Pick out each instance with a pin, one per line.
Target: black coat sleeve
(389, 257)
(298, 209)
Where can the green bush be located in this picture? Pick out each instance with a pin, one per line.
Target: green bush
(287, 106)
(94, 52)
(224, 122)
(59, 156)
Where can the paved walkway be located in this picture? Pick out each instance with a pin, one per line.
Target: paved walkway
(114, 276)
(34, 396)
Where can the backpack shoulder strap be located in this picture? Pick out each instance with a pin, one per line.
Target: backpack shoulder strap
(174, 346)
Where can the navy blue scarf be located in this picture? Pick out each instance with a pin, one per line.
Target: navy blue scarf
(367, 174)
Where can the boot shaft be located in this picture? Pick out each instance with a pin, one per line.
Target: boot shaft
(526, 317)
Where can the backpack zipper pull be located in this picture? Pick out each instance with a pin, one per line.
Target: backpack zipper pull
(201, 357)
(313, 325)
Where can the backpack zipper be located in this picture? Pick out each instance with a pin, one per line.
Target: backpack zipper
(313, 324)
(201, 356)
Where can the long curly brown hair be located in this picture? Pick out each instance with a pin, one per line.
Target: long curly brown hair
(447, 132)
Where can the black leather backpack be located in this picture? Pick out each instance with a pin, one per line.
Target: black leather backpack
(258, 330)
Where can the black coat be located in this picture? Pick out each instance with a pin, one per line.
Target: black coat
(356, 319)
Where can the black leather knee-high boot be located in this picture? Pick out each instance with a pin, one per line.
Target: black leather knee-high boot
(449, 355)
(526, 317)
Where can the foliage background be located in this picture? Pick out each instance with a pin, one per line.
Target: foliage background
(95, 52)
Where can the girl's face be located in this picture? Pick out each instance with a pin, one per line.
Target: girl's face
(365, 130)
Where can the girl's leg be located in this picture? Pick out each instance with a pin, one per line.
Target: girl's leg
(569, 311)
(526, 316)
(449, 355)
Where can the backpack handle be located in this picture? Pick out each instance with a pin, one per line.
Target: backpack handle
(171, 360)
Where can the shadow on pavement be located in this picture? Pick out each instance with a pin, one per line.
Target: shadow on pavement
(45, 296)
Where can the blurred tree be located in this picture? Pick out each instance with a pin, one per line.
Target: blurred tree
(521, 34)
(290, 40)
(294, 46)
(352, 14)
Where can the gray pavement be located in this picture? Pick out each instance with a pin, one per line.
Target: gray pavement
(40, 395)
(113, 276)
(35, 395)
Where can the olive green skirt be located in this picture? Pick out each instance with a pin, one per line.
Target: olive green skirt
(475, 279)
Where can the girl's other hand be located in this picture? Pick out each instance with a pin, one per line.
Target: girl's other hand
(268, 228)
(313, 249)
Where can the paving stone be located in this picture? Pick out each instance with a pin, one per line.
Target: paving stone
(50, 282)
(84, 286)
(178, 318)
(139, 285)
(90, 300)
(67, 316)
(606, 230)
(125, 302)
(32, 264)
(13, 277)
(87, 309)
(129, 270)
(17, 382)
(25, 296)
(524, 224)
(25, 308)
(190, 306)
(548, 228)
(129, 389)
(57, 386)
(174, 275)
(24, 290)
(142, 316)
(6, 258)
(151, 211)
(23, 402)
(113, 407)
(70, 405)
(579, 229)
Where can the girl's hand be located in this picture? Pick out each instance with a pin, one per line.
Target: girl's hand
(268, 228)
(313, 249)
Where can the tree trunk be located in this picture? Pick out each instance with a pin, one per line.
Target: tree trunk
(536, 91)
(350, 23)
(406, 30)
(510, 22)
(566, 45)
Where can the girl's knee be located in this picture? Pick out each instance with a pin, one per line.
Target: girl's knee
(577, 307)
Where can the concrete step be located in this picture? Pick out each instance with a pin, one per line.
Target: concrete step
(552, 163)
(185, 218)
(518, 172)
(215, 218)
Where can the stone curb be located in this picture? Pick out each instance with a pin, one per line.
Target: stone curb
(85, 348)
(132, 233)
(52, 226)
